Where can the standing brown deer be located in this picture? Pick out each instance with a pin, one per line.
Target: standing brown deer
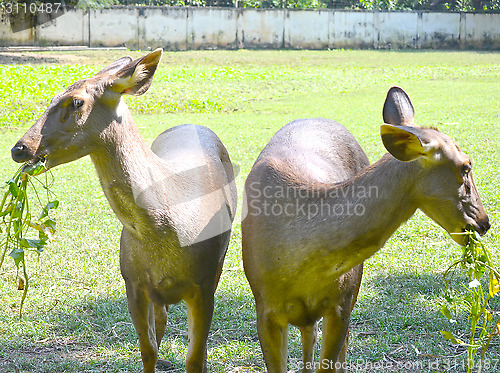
(315, 211)
(176, 201)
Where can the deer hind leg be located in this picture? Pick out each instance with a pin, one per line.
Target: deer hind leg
(219, 270)
(160, 312)
(335, 331)
(160, 322)
(309, 335)
(336, 324)
(273, 338)
(200, 310)
(142, 313)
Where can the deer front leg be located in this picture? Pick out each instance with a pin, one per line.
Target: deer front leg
(308, 334)
(273, 339)
(200, 309)
(142, 313)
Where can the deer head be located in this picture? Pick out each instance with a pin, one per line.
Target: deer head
(445, 190)
(77, 120)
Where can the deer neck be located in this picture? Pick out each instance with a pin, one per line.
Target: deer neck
(126, 168)
(384, 196)
(374, 204)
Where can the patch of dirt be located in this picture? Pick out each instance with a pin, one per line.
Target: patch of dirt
(48, 351)
(7, 58)
(47, 56)
(56, 57)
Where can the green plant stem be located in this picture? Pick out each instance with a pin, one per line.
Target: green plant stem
(25, 290)
(3, 200)
(9, 225)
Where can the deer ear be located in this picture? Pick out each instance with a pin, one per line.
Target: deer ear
(115, 66)
(398, 109)
(136, 77)
(404, 143)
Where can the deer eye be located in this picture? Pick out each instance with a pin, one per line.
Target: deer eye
(77, 103)
(466, 169)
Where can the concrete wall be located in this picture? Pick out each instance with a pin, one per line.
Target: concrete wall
(205, 28)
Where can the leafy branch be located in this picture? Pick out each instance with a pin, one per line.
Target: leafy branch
(478, 265)
(17, 223)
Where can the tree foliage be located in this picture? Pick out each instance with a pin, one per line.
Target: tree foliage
(432, 5)
(488, 6)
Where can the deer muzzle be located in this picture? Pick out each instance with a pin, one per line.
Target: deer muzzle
(21, 153)
(482, 225)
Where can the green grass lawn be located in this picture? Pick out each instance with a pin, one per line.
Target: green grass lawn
(76, 318)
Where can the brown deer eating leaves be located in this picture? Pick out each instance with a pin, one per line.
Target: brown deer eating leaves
(315, 210)
(176, 200)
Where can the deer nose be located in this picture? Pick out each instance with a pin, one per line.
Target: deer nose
(20, 153)
(484, 226)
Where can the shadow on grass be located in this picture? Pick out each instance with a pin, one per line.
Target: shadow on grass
(92, 336)
(396, 321)
(97, 335)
